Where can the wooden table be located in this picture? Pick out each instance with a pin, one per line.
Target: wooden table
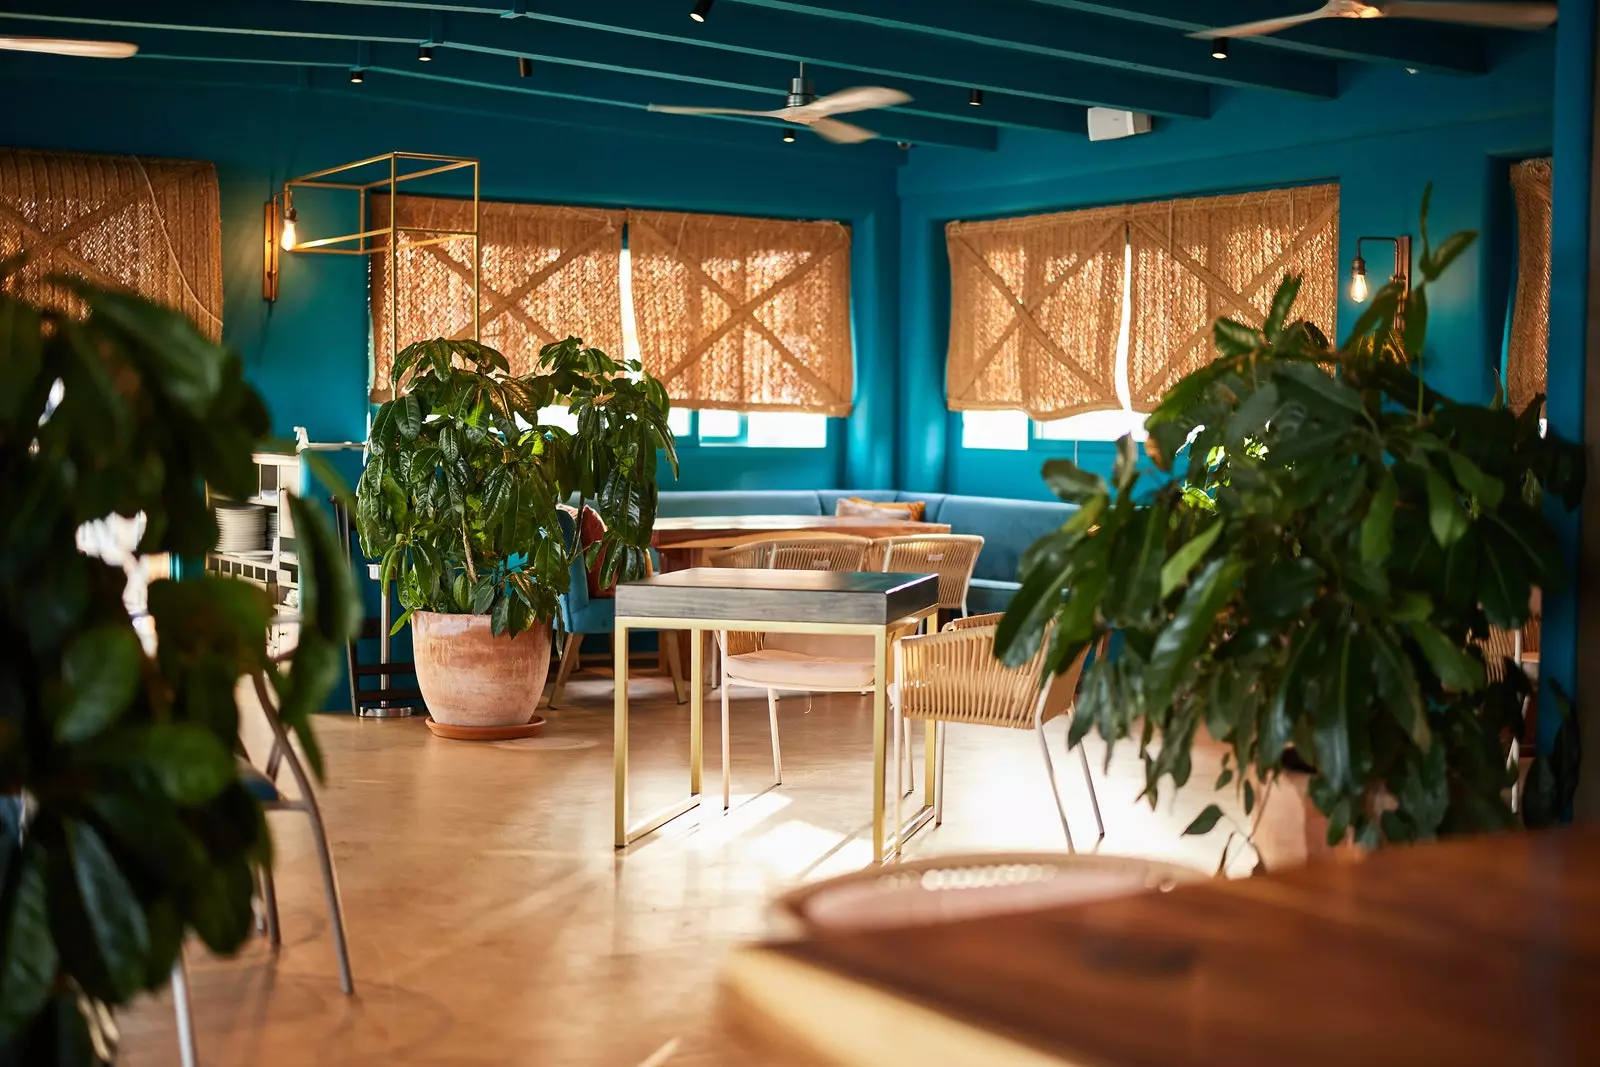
(775, 601)
(1482, 952)
(685, 542)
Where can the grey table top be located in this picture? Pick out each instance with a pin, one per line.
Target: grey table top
(710, 593)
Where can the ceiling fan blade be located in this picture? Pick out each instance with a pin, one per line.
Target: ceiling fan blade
(63, 46)
(666, 109)
(1489, 15)
(860, 98)
(841, 132)
(1266, 26)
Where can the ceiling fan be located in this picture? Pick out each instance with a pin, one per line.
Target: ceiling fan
(1506, 16)
(805, 108)
(66, 46)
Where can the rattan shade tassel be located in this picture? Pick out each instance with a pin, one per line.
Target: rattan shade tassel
(1200, 259)
(1034, 313)
(744, 314)
(1527, 358)
(547, 273)
(150, 225)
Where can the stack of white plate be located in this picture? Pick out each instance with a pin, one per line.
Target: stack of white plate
(272, 527)
(241, 528)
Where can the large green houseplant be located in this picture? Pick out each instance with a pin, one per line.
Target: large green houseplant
(461, 501)
(1314, 582)
(124, 828)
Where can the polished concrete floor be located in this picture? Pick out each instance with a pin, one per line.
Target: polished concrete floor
(492, 923)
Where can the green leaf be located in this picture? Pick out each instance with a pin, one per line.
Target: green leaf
(1312, 382)
(1397, 685)
(1250, 418)
(1454, 667)
(1282, 303)
(1249, 798)
(102, 670)
(20, 333)
(1488, 489)
(500, 615)
(1416, 324)
(1176, 569)
(1377, 527)
(1205, 822)
(114, 911)
(188, 760)
(408, 417)
(28, 968)
(1445, 517)
(1126, 468)
(1452, 247)
(1235, 338)
(1072, 483)
(1181, 640)
(1278, 725)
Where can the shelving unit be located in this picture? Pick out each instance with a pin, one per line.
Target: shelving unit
(277, 568)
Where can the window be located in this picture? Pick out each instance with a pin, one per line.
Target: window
(1011, 429)
(762, 429)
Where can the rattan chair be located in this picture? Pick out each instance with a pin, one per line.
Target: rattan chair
(954, 676)
(953, 557)
(791, 663)
(946, 888)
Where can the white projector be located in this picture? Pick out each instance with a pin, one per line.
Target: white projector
(1107, 124)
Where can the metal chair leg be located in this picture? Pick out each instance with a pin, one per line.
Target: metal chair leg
(669, 639)
(911, 766)
(330, 886)
(895, 722)
(727, 762)
(1094, 798)
(1050, 771)
(938, 789)
(777, 751)
(269, 906)
(184, 1011)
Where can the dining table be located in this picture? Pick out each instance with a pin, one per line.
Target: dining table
(1479, 952)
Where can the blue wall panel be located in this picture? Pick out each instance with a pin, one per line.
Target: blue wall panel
(1383, 140)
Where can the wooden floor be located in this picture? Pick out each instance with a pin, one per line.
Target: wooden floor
(492, 923)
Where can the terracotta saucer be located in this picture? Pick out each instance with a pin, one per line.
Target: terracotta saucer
(487, 733)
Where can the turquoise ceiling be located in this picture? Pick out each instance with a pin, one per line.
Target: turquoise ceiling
(600, 62)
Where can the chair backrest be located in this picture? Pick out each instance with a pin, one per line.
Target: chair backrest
(831, 553)
(750, 556)
(954, 676)
(953, 557)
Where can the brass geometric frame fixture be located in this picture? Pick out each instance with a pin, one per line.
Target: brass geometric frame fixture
(281, 231)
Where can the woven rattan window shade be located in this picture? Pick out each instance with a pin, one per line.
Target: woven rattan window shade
(1199, 259)
(547, 273)
(1035, 311)
(1527, 369)
(745, 314)
(150, 225)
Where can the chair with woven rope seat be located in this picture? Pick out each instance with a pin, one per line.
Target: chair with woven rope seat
(954, 677)
(953, 557)
(787, 662)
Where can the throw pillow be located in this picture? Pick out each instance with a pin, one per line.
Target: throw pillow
(591, 528)
(910, 510)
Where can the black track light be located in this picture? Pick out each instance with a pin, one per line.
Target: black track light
(702, 8)
(1219, 48)
(524, 67)
(424, 53)
(357, 75)
(788, 137)
(975, 98)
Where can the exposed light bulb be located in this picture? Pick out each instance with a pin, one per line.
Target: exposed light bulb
(1358, 281)
(288, 237)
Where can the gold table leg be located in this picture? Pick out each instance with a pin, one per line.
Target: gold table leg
(880, 715)
(625, 834)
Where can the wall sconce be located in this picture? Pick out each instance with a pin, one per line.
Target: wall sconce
(1359, 288)
(270, 224)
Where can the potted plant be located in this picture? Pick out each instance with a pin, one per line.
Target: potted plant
(461, 501)
(1312, 586)
(123, 824)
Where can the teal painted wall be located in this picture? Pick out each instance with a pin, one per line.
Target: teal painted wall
(1382, 140)
(308, 352)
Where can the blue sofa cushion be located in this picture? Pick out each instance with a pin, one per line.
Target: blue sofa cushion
(677, 505)
(986, 594)
(1008, 527)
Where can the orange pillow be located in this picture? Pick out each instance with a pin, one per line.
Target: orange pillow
(910, 510)
(591, 528)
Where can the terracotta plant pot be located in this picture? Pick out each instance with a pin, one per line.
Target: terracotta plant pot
(469, 677)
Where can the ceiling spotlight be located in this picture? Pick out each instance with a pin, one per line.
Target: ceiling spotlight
(1219, 48)
(702, 8)
(357, 75)
(975, 98)
(424, 53)
(788, 137)
(524, 67)
(905, 146)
